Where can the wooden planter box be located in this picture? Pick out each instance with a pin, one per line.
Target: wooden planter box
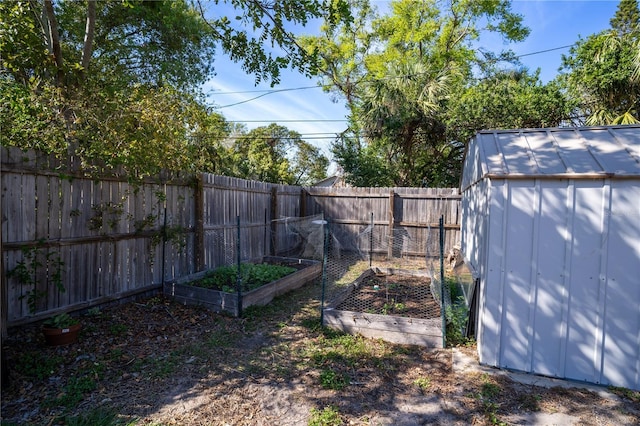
(220, 301)
(395, 329)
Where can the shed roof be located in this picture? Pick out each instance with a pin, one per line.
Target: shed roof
(569, 152)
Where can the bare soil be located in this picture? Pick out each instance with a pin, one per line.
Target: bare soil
(158, 362)
(397, 295)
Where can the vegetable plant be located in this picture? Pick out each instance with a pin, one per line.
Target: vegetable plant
(252, 276)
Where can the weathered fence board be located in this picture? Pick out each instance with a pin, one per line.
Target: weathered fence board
(108, 231)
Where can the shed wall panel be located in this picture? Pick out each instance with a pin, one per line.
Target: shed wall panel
(584, 284)
(517, 275)
(622, 332)
(550, 294)
(491, 285)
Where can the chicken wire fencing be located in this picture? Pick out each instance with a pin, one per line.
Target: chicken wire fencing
(401, 272)
(370, 269)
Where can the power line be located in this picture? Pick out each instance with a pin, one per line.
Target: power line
(266, 92)
(263, 90)
(545, 51)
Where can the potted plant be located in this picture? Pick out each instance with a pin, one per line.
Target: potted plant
(61, 329)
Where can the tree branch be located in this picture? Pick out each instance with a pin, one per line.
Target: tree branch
(89, 33)
(54, 36)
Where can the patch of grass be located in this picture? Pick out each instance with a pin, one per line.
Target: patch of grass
(329, 416)
(329, 379)
(118, 329)
(165, 366)
(37, 365)
(489, 390)
(221, 339)
(626, 393)
(423, 383)
(73, 392)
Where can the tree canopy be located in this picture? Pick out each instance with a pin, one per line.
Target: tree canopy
(404, 76)
(599, 71)
(119, 81)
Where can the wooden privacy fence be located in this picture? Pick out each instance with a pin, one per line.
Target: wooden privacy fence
(108, 231)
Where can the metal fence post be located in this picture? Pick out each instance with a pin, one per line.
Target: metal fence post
(371, 241)
(442, 286)
(324, 269)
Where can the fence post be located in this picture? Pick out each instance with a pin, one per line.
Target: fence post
(238, 274)
(324, 268)
(199, 230)
(371, 241)
(442, 286)
(164, 236)
(274, 215)
(303, 202)
(391, 221)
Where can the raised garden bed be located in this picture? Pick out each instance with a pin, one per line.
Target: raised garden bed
(391, 304)
(182, 291)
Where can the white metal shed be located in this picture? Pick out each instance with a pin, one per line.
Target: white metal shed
(551, 227)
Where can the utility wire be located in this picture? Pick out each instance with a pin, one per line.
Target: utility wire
(266, 92)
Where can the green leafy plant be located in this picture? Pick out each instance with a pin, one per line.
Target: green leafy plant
(457, 315)
(63, 320)
(37, 365)
(252, 276)
(423, 383)
(73, 392)
(38, 269)
(329, 379)
(626, 393)
(118, 329)
(329, 416)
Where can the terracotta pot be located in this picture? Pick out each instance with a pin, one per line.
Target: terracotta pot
(61, 336)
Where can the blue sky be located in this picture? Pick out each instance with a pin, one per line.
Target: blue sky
(553, 24)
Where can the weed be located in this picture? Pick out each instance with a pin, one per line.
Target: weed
(329, 379)
(423, 383)
(488, 391)
(329, 416)
(312, 324)
(457, 315)
(221, 339)
(73, 392)
(94, 312)
(37, 365)
(626, 393)
(118, 329)
(165, 366)
(38, 269)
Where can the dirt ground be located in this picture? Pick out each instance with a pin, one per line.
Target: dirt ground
(155, 362)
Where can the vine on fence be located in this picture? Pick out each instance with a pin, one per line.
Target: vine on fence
(36, 263)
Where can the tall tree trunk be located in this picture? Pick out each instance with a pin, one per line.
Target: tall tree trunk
(88, 35)
(54, 36)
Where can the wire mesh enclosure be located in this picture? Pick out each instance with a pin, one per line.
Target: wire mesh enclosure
(380, 283)
(239, 275)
